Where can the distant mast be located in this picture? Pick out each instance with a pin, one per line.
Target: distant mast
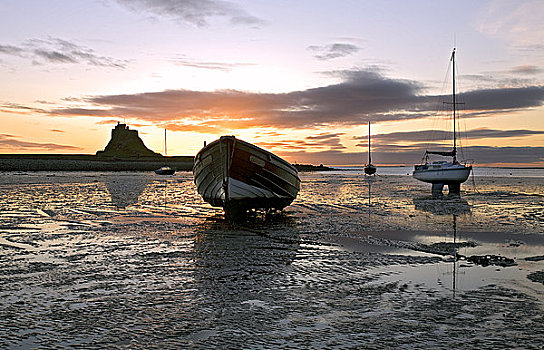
(165, 149)
(369, 158)
(454, 109)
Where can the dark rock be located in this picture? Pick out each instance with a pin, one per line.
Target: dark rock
(537, 277)
(486, 260)
(535, 258)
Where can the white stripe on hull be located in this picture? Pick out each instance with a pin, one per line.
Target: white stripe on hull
(240, 190)
(442, 176)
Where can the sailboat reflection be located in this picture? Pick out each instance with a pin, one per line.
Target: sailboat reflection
(453, 206)
(369, 181)
(443, 206)
(456, 255)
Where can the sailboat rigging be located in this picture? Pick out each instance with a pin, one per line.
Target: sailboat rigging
(440, 173)
(369, 169)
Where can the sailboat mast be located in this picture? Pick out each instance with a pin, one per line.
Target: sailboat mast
(165, 152)
(454, 110)
(369, 159)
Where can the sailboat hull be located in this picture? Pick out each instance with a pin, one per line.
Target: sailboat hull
(369, 169)
(165, 170)
(240, 176)
(442, 175)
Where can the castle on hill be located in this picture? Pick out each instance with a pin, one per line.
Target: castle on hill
(126, 143)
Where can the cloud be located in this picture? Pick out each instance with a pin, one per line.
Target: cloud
(220, 66)
(196, 12)
(54, 56)
(411, 155)
(362, 96)
(325, 136)
(319, 149)
(108, 122)
(501, 79)
(505, 98)
(426, 135)
(8, 142)
(519, 22)
(309, 143)
(514, 155)
(59, 51)
(11, 50)
(329, 52)
(527, 69)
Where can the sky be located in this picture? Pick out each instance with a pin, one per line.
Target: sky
(299, 78)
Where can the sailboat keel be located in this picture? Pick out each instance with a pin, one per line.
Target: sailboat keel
(454, 189)
(437, 190)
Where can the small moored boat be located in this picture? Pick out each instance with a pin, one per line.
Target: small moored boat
(165, 169)
(239, 176)
(369, 168)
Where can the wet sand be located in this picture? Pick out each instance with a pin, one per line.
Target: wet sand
(140, 261)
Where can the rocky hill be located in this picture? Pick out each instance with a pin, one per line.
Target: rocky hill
(126, 143)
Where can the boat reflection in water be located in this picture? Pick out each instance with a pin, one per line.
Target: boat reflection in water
(453, 206)
(369, 181)
(442, 206)
(241, 269)
(125, 190)
(239, 176)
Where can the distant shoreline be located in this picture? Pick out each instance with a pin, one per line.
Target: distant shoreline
(339, 167)
(84, 162)
(91, 162)
(309, 167)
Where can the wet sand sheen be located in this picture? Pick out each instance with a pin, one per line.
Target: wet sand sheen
(134, 260)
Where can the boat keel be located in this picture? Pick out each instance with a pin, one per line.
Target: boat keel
(454, 189)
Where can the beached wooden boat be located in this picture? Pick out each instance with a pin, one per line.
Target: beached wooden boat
(240, 176)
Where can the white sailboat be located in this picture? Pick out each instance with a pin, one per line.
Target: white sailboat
(440, 173)
(369, 168)
(165, 169)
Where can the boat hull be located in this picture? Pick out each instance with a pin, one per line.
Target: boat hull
(165, 171)
(239, 176)
(443, 176)
(369, 169)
